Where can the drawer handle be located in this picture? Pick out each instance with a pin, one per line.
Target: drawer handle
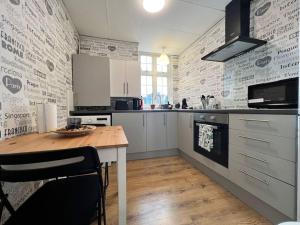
(256, 178)
(254, 139)
(255, 120)
(252, 157)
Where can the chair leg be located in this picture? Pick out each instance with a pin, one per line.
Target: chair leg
(5, 201)
(100, 211)
(106, 176)
(102, 194)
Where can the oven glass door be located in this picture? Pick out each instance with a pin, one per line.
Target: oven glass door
(211, 140)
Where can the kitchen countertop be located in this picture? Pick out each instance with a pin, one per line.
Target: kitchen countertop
(230, 111)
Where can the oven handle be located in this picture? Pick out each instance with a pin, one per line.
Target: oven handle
(255, 139)
(215, 127)
(254, 177)
(252, 157)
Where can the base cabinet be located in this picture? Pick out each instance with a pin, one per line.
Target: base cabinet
(149, 131)
(262, 153)
(172, 127)
(185, 133)
(134, 125)
(156, 131)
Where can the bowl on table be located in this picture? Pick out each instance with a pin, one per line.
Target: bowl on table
(83, 130)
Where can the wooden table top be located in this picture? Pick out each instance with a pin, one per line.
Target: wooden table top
(101, 138)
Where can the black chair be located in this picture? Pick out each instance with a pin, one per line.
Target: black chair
(73, 195)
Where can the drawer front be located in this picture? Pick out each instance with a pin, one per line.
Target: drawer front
(275, 167)
(281, 147)
(277, 194)
(279, 125)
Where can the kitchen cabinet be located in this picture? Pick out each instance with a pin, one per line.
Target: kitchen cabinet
(185, 132)
(171, 130)
(262, 153)
(125, 78)
(161, 131)
(156, 131)
(91, 80)
(134, 125)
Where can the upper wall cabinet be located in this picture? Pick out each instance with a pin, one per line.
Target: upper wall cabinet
(91, 80)
(125, 78)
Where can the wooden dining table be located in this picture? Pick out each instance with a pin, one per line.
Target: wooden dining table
(110, 141)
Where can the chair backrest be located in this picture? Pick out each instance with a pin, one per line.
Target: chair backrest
(22, 167)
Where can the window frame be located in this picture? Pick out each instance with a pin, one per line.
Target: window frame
(155, 74)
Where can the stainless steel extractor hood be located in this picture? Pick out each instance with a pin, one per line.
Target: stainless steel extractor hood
(237, 40)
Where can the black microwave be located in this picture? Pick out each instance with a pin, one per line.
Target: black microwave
(274, 95)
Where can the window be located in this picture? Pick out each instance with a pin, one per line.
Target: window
(154, 80)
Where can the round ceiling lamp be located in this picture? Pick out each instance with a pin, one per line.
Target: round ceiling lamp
(153, 6)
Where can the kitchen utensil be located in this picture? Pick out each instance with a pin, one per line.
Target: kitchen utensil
(203, 101)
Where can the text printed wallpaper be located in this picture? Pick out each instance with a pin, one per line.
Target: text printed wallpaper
(109, 48)
(276, 21)
(37, 40)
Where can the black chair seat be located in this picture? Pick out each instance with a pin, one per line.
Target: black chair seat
(60, 202)
(72, 200)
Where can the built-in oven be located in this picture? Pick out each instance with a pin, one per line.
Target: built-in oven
(211, 136)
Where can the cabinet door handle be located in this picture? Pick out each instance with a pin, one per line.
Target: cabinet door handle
(254, 120)
(165, 119)
(255, 139)
(127, 87)
(191, 120)
(124, 88)
(252, 157)
(143, 120)
(254, 177)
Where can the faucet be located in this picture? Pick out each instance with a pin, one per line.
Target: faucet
(159, 99)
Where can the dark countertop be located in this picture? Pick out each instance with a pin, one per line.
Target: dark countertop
(229, 111)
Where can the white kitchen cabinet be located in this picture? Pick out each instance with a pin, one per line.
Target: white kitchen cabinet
(125, 78)
(117, 78)
(91, 81)
(185, 132)
(133, 79)
(134, 125)
(171, 130)
(156, 131)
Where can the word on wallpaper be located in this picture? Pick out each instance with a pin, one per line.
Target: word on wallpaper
(271, 20)
(109, 48)
(37, 41)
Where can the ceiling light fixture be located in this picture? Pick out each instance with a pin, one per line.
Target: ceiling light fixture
(153, 6)
(164, 58)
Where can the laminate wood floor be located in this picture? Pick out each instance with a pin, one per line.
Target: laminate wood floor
(170, 191)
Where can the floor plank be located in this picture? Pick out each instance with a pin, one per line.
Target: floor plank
(170, 191)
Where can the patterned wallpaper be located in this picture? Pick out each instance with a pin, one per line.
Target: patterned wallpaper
(109, 48)
(37, 39)
(276, 21)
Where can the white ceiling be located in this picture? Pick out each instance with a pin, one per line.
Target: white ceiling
(179, 24)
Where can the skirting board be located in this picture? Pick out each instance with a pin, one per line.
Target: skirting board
(267, 211)
(152, 154)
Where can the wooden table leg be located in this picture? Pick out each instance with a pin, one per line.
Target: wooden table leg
(121, 164)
